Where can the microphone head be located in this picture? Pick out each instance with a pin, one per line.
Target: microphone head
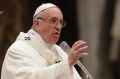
(65, 47)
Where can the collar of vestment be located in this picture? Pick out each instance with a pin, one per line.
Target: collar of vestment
(46, 53)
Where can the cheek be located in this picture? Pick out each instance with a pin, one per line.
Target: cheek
(46, 32)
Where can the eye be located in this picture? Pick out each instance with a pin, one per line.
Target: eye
(53, 20)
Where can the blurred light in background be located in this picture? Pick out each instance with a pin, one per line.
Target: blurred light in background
(1, 12)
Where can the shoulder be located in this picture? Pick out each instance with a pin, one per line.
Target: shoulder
(20, 47)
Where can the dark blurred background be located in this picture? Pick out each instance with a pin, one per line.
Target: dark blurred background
(95, 21)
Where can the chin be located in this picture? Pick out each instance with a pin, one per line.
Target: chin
(53, 41)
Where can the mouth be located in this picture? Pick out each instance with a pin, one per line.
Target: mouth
(56, 33)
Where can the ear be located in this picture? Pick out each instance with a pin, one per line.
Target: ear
(36, 24)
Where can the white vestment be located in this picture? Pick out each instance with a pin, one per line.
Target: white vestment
(29, 59)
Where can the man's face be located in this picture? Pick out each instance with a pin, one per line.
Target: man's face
(49, 26)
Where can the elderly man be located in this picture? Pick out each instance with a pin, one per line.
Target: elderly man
(35, 55)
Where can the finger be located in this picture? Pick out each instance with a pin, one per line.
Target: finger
(83, 55)
(78, 46)
(76, 56)
(82, 49)
(77, 42)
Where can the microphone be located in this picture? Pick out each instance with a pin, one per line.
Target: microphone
(66, 48)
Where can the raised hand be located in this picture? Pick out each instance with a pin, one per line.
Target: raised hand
(77, 51)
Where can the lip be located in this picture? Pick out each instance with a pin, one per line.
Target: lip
(56, 33)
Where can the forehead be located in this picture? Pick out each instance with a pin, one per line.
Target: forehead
(52, 12)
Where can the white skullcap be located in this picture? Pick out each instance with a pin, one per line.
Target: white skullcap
(43, 7)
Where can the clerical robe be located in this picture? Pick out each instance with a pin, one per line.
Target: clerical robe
(28, 59)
